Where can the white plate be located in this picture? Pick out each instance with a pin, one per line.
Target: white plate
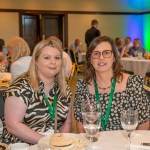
(44, 142)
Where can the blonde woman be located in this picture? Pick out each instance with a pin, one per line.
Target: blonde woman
(39, 101)
(19, 52)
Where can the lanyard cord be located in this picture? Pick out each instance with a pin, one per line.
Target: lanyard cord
(51, 108)
(104, 120)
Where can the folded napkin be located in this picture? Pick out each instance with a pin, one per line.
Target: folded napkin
(50, 131)
(138, 140)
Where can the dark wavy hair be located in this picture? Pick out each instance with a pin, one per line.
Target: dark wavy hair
(117, 67)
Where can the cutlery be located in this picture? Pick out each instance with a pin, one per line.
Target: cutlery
(145, 144)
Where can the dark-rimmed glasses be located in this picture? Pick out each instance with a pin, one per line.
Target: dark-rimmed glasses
(105, 53)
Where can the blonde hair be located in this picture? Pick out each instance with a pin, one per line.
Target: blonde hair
(19, 48)
(60, 77)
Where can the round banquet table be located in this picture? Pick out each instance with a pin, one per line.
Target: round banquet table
(82, 57)
(138, 66)
(116, 140)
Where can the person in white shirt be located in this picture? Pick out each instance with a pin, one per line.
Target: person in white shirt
(2, 47)
(19, 54)
(76, 47)
(66, 58)
(128, 43)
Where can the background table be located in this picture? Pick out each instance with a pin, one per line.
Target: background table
(82, 57)
(138, 66)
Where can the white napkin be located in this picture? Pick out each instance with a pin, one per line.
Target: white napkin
(137, 140)
(50, 131)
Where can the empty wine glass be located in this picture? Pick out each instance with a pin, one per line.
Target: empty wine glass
(2, 69)
(129, 122)
(91, 123)
(91, 119)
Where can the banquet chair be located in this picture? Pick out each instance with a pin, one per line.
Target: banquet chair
(129, 72)
(78, 66)
(72, 74)
(1, 105)
(147, 78)
(147, 90)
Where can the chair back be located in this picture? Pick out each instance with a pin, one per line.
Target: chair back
(1, 105)
(72, 55)
(72, 73)
(147, 90)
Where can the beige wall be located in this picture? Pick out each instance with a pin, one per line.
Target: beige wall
(9, 25)
(77, 26)
(112, 25)
(81, 5)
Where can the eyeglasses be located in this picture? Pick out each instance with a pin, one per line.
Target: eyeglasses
(105, 53)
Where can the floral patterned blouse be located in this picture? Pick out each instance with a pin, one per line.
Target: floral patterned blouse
(134, 96)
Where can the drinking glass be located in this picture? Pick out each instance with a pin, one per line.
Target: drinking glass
(91, 120)
(2, 69)
(91, 123)
(129, 122)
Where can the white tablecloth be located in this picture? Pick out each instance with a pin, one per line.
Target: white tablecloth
(82, 57)
(138, 66)
(113, 140)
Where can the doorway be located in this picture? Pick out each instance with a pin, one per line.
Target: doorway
(35, 27)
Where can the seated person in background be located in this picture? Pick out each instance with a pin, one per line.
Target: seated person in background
(19, 54)
(104, 77)
(3, 61)
(67, 64)
(66, 58)
(76, 47)
(3, 48)
(121, 50)
(128, 43)
(39, 100)
(136, 48)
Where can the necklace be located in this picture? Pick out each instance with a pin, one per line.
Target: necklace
(104, 88)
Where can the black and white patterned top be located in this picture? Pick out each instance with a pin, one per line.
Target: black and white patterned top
(134, 96)
(37, 115)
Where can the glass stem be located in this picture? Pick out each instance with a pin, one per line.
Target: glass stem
(91, 141)
(129, 139)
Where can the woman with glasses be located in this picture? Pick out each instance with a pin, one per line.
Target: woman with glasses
(112, 90)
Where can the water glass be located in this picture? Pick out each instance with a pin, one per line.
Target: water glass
(91, 123)
(129, 122)
(2, 69)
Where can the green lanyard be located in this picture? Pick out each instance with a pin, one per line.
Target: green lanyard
(104, 120)
(51, 108)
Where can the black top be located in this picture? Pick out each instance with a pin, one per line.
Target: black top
(91, 34)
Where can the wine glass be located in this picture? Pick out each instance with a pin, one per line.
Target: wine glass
(2, 69)
(129, 122)
(91, 120)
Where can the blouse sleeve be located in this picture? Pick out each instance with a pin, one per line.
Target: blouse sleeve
(20, 90)
(79, 97)
(138, 98)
